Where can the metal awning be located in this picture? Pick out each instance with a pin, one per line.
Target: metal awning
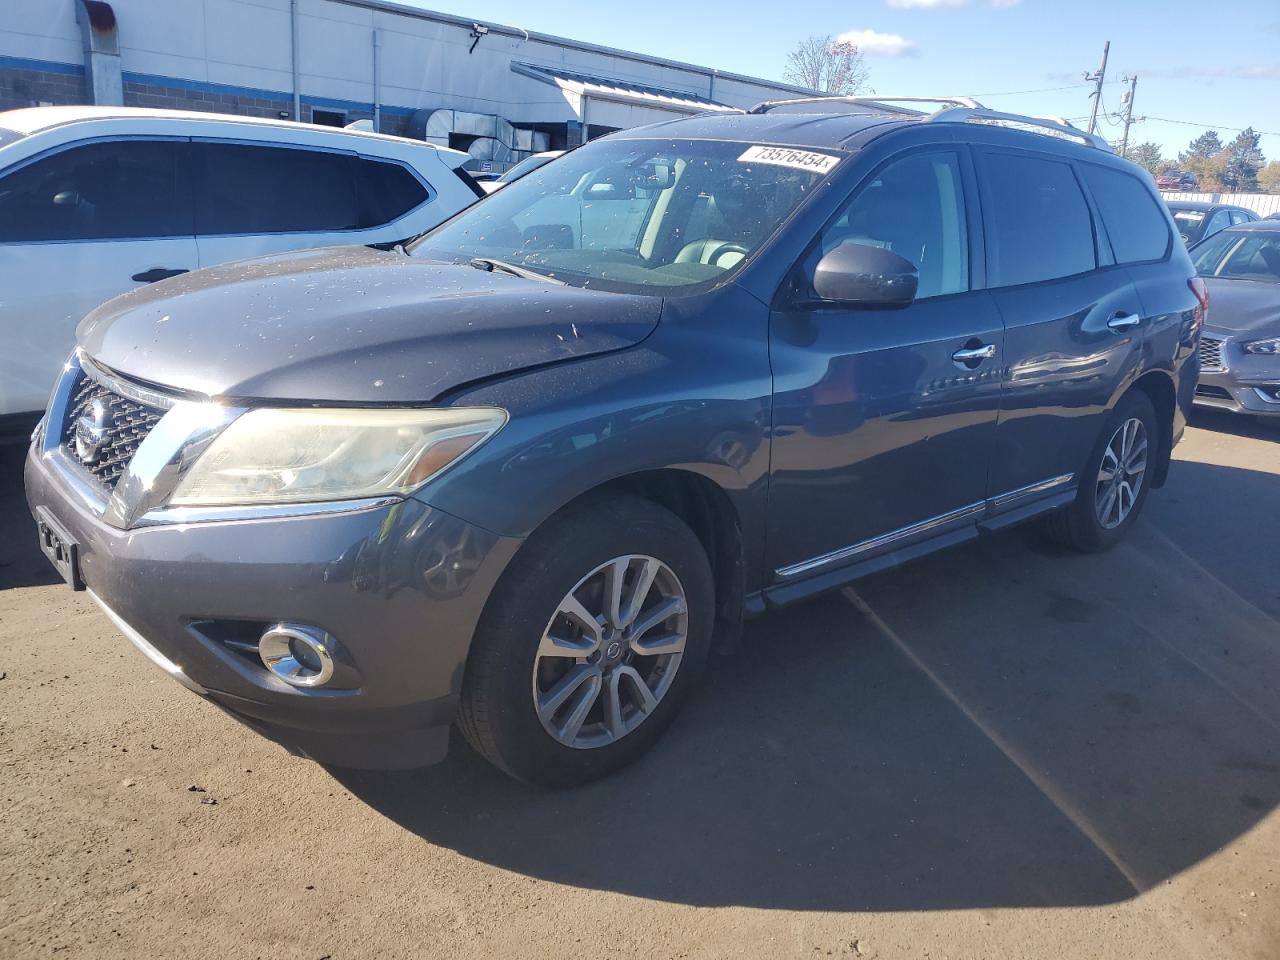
(620, 91)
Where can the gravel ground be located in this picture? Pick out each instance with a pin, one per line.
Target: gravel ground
(1001, 751)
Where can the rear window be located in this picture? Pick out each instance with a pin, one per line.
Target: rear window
(9, 136)
(246, 188)
(1188, 222)
(112, 190)
(1133, 219)
(386, 191)
(1037, 221)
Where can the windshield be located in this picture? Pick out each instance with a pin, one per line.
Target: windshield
(1240, 256)
(642, 216)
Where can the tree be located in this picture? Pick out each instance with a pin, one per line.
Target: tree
(1147, 156)
(1204, 147)
(1269, 177)
(1244, 160)
(827, 65)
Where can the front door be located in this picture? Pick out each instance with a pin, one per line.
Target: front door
(884, 419)
(77, 227)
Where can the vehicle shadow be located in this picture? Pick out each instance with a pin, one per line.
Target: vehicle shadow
(21, 562)
(1011, 727)
(1236, 424)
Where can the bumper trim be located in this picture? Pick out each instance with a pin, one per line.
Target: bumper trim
(147, 650)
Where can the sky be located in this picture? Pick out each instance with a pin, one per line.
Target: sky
(1196, 70)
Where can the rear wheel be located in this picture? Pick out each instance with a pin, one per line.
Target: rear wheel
(589, 643)
(1115, 481)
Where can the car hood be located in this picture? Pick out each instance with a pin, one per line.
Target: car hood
(1243, 306)
(352, 325)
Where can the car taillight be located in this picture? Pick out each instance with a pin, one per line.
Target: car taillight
(1201, 290)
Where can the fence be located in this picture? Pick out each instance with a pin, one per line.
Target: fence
(1263, 204)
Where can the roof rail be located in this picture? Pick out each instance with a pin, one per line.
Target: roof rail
(882, 102)
(1052, 126)
(956, 110)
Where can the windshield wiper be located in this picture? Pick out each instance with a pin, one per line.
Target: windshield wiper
(486, 263)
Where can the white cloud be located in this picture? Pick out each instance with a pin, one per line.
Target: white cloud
(1005, 3)
(873, 43)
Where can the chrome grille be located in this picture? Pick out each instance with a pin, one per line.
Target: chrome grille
(1210, 354)
(103, 430)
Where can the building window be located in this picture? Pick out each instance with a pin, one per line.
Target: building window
(329, 118)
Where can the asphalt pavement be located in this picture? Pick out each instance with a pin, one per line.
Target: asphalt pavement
(1005, 750)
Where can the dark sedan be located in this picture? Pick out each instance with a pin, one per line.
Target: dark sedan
(1240, 345)
(1198, 221)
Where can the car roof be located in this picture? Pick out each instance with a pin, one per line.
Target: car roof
(1204, 205)
(32, 120)
(823, 130)
(1255, 226)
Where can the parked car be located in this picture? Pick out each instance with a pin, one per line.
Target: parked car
(1196, 220)
(1180, 180)
(495, 477)
(95, 201)
(525, 166)
(1240, 347)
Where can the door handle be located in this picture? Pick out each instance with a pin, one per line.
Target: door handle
(1123, 321)
(157, 273)
(972, 354)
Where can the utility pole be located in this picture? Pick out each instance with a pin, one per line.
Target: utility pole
(1098, 79)
(1128, 114)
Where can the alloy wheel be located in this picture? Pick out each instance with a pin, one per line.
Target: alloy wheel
(1120, 475)
(610, 652)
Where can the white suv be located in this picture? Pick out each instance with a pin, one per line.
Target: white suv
(95, 201)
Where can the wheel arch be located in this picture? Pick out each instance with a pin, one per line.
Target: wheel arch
(1159, 388)
(714, 519)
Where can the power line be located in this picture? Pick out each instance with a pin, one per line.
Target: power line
(1214, 126)
(1015, 93)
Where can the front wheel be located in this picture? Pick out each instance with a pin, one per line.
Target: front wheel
(590, 642)
(1115, 481)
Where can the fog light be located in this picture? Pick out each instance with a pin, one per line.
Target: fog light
(299, 655)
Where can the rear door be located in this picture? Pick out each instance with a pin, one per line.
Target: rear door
(253, 199)
(881, 435)
(1073, 322)
(78, 226)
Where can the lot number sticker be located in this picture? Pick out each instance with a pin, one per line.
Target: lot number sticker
(783, 157)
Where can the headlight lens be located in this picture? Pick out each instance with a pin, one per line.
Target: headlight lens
(1270, 347)
(307, 455)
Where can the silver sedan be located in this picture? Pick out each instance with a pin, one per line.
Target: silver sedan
(1240, 343)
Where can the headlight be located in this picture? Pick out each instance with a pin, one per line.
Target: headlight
(301, 455)
(1270, 347)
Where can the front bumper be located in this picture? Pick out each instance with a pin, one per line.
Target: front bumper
(1242, 382)
(401, 586)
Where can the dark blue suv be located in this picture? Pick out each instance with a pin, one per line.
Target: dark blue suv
(524, 471)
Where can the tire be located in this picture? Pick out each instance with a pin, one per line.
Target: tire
(1080, 526)
(513, 658)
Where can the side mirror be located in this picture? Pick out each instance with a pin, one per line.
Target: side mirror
(858, 275)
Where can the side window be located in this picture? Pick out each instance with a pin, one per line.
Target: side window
(1240, 216)
(1135, 224)
(1037, 221)
(113, 190)
(246, 188)
(914, 207)
(386, 191)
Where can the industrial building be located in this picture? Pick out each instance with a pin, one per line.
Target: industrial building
(498, 92)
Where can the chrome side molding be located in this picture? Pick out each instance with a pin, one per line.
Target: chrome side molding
(884, 540)
(932, 525)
